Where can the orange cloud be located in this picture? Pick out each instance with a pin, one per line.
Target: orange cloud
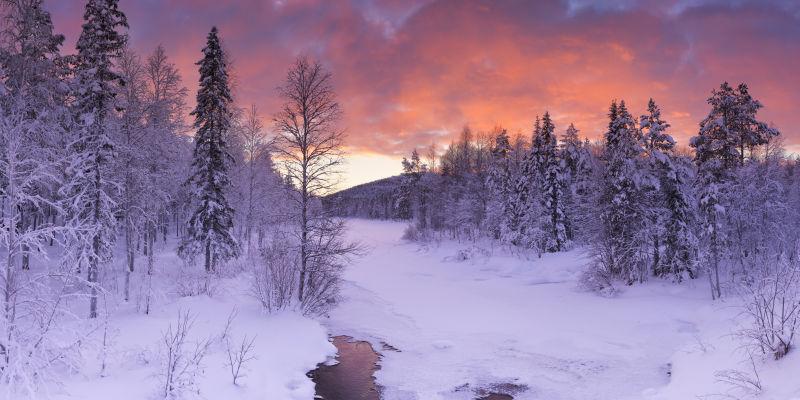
(409, 73)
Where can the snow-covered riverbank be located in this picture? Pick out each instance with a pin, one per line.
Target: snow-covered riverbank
(497, 319)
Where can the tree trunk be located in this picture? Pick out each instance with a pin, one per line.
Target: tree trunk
(23, 218)
(129, 251)
(10, 290)
(209, 265)
(93, 261)
(150, 265)
(303, 239)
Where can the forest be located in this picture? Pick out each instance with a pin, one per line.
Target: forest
(101, 170)
(723, 209)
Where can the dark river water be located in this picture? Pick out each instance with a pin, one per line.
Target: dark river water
(352, 378)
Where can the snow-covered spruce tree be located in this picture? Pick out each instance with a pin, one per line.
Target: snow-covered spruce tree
(657, 146)
(210, 227)
(671, 208)
(726, 134)
(620, 246)
(520, 226)
(89, 191)
(406, 193)
(463, 168)
(551, 187)
(310, 145)
(499, 182)
(576, 164)
(680, 241)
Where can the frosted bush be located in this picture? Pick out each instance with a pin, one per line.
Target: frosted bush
(275, 275)
(193, 281)
(772, 305)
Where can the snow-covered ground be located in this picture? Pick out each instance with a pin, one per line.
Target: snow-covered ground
(452, 327)
(498, 319)
(286, 347)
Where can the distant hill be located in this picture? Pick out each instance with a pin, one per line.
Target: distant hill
(374, 200)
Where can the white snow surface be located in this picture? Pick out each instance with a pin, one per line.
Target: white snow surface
(497, 318)
(454, 326)
(286, 346)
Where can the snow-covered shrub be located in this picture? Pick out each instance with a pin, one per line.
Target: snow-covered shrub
(193, 281)
(412, 233)
(322, 288)
(181, 358)
(741, 383)
(470, 253)
(772, 304)
(40, 337)
(598, 278)
(275, 275)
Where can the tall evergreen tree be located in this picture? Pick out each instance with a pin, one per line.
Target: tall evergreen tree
(89, 190)
(412, 172)
(572, 155)
(680, 242)
(729, 130)
(499, 183)
(210, 227)
(522, 223)
(670, 209)
(576, 167)
(551, 187)
(621, 202)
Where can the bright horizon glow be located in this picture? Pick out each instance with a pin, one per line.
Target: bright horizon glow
(367, 167)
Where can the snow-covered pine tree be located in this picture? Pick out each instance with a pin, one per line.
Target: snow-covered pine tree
(520, 227)
(211, 224)
(576, 165)
(670, 209)
(750, 133)
(680, 242)
(552, 182)
(572, 156)
(406, 193)
(89, 191)
(620, 245)
(726, 134)
(499, 183)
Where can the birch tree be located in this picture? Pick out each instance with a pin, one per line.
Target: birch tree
(310, 144)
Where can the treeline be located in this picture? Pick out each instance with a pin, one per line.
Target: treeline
(644, 205)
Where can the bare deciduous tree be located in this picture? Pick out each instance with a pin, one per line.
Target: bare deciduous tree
(310, 145)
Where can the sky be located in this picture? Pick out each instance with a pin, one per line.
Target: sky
(410, 73)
